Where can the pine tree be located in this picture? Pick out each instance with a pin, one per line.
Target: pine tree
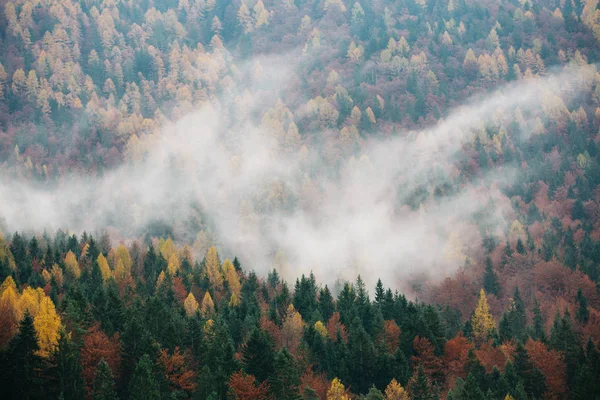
(143, 385)
(258, 355)
(538, 330)
(24, 363)
(583, 313)
(326, 306)
(104, 383)
(490, 279)
(285, 381)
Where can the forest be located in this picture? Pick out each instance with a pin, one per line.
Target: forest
(300, 199)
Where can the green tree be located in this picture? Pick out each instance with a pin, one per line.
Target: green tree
(258, 355)
(490, 278)
(144, 385)
(104, 383)
(285, 381)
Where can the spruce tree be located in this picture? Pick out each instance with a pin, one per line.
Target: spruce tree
(490, 279)
(326, 306)
(143, 385)
(258, 355)
(104, 383)
(23, 362)
(285, 381)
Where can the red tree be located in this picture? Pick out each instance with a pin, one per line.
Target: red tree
(177, 370)
(432, 365)
(243, 387)
(551, 364)
(97, 346)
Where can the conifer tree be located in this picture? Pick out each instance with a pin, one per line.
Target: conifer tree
(143, 385)
(104, 383)
(482, 322)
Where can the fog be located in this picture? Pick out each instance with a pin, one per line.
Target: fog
(294, 209)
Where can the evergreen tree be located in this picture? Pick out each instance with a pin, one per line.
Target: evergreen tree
(490, 279)
(379, 292)
(538, 330)
(23, 363)
(583, 313)
(144, 385)
(420, 387)
(466, 390)
(104, 383)
(258, 355)
(285, 382)
(326, 306)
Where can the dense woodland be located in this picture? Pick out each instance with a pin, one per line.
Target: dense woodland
(85, 86)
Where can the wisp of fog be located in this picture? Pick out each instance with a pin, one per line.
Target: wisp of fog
(295, 210)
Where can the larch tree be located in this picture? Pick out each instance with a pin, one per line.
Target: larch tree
(104, 268)
(207, 308)
(213, 269)
(482, 322)
(337, 391)
(395, 391)
(9, 311)
(47, 325)
(71, 265)
(191, 305)
(231, 277)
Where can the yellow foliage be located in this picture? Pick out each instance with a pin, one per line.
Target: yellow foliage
(482, 321)
(321, 329)
(233, 300)
(47, 324)
(122, 255)
(231, 276)
(174, 264)
(104, 268)
(208, 306)
(72, 265)
(395, 391)
(213, 269)
(8, 283)
(160, 280)
(337, 391)
(509, 397)
(57, 274)
(46, 275)
(191, 305)
(30, 300)
(167, 248)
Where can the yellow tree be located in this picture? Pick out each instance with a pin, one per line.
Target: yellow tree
(395, 391)
(321, 329)
(72, 266)
(9, 311)
(104, 268)
(232, 278)
(123, 255)
(213, 268)
(47, 324)
(191, 305)
(337, 391)
(167, 248)
(292, 329)
(174, 264)
(482, 322)
(160, 280)
(208, 306)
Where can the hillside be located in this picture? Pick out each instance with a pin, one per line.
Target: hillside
(408, 191)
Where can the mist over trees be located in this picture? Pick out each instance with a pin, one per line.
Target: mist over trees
(299, 199)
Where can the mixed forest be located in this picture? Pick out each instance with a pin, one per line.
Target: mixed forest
(86, 86)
